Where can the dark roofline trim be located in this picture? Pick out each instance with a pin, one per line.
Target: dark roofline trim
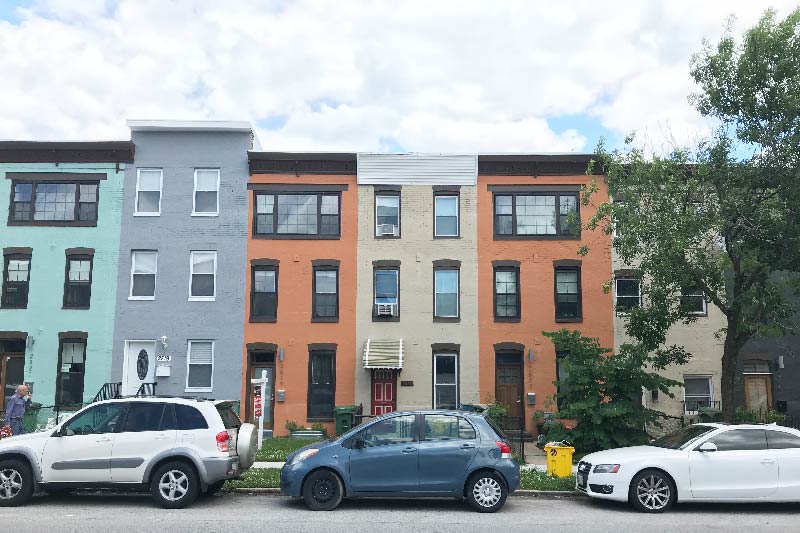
(536, 164)
(302, 163)
(66, 152)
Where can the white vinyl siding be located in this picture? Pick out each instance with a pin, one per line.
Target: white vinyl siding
(205, 200)
(417, 169)
(149, 182)
(200, 366)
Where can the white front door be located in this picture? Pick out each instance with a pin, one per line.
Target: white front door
(139, 365)
(742, 466)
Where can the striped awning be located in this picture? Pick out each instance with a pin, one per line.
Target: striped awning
(383, 353)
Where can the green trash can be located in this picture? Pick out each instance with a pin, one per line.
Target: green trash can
(343, 415)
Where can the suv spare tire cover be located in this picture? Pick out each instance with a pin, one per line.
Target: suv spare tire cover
(246, 443)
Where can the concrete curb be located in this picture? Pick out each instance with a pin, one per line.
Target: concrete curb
(517, 494)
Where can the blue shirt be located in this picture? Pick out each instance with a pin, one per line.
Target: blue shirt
(15, 407)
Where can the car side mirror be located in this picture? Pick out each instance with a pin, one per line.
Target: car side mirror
(359, 443)
(707, 447)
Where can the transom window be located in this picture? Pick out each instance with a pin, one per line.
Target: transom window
(148, 191)
(78, 283)
(506, 292)
(536, 214)
(206, 192)
(54, 203)
(445, 303)
(326, 293)
(297, 214)
(693, 301)
(755, 367)
(628, 293)
(387, 215)
(568, 294)
(446, 215)
(16, 280)
(264, 294)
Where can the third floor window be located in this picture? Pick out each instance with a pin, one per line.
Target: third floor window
(148, 192)
(78, 282)
(206, 192)
(54, 204)
(297, 215)
(536, 215)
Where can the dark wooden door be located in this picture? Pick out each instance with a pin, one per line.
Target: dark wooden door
(508, 388)
(12, 373)
(384, 391)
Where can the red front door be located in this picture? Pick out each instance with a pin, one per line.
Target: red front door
(384, 391)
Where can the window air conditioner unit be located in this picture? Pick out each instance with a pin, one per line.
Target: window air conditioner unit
(386, 309)
(387, 229)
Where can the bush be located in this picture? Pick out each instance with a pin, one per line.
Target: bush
(761, 416)
(496, 411)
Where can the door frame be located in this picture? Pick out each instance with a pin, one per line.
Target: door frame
(125, 359)
(249, 390)
(4, 358)
(521, 366)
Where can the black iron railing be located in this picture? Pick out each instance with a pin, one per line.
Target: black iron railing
(694, 406)
(108, 391)
(146, 389)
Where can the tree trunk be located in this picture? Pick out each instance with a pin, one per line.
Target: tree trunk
(730, 355)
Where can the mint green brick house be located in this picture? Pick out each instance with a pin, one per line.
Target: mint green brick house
(60, 211)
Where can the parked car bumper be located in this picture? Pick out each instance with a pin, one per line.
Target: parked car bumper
(292, 476)
(510, 471)
(219, 468)
(605, 486)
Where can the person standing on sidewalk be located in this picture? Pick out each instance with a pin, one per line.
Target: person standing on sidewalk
(15, 410)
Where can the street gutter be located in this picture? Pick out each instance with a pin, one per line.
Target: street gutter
(549, 494)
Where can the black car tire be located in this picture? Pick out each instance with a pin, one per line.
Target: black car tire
(651, 491)
(175, 485)
(213, 489)
(486, 492)
(323, 491)
(16, 483)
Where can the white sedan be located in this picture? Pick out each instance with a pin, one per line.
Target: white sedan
(702, 462)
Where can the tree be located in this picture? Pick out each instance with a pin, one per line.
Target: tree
(724, 217)
(602, 391)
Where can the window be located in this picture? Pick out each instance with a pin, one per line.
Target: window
(206, 192)
(780, 440)
(200, 376)
(150, 416)
(16, 280)
(445, 381)
(628, 293)
(447, 427)
(387, 293)
(693, 301)
(143, 275)
(189, 418)
(264, 293)
(506, 293)
(562, 374)
(527, 214)
(696, 393)
(96, 420)
(297, 214)
(740, 439)
(78, 282)
(445, 222)
(387, 215)
(148, 192)
(396, 430)
(71, 371)
(49, 203)
(445, 300)
(326, 294)
(321, 385)
(755, 367)
(568, 294)
(203, 286)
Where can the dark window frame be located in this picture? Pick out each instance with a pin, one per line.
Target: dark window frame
(76, 222)
(67, 282)
(59, 390)
(313, 416)
(448, 194)
(698, 294)
(314, 316)
(444, 353)
(399, 197)
(559, 235)
(7, 258)
(375, 317)
(624, 310)
(517, 317)
(262, 268)
(578, 318)
(295, 236)
(457, 317)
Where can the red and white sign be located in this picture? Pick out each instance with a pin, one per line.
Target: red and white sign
(257, 403)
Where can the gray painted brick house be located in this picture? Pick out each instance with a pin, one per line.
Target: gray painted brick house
(180, 297)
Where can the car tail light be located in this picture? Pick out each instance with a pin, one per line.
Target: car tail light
(222, 441)
(505, 450)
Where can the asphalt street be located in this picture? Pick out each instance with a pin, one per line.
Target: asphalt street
(229, 512)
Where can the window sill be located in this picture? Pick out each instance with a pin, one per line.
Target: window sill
(329, 319)
(569, 320)
(205, 214)
(209, 389)
(509, 319)
(263, 319)
(447, 236)
(387, 237)
(698, 314)
(14, 307)
(537, 237)
(297, 237)
(451, 319)
(75, 307)
(385, 319)
(202, 298)
(57, 223)
(147, 214)
(141, 298)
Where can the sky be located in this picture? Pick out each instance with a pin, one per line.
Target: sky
(364, 75)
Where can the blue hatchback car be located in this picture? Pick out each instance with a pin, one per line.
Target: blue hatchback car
(407, 454)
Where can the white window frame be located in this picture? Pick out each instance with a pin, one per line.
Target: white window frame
(436, 356)
(155, 276)
(189, 360)
(710, 390)
(136, 212)
(195, 213)
(458, 292)
(700, 293)
(399, 207)
(191, 273)
(457, 198)
(616, 293)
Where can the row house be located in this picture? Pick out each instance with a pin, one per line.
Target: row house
(59, 236)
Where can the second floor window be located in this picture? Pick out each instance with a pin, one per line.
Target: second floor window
(148, 191)
(49, 203)
(203, 284)
(143, 274)
(445, 215)
(264, 294)
(297, 214)
(387, 293)
(387, 215)
(627, 293)
(568, 294)
(506, 293)
(206, 192)
(535, 215)
(78, 283)
(16, 280)
(693, 300)
(326, 294)
(445, 299)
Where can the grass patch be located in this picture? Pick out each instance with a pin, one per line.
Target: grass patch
(537, 480)
(257, 478)
(277, 448)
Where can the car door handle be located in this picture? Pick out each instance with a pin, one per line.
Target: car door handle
(767, 461)
(161, 437)
(467, 446)
(103, 439)
(409, 450)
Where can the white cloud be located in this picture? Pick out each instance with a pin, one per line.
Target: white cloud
(434, 76)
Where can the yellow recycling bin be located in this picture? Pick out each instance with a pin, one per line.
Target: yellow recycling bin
(559, 459)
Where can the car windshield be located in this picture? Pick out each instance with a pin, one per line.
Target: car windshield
(681, 438)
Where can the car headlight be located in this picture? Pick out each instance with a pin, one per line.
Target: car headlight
(305, 454)
(606, 469)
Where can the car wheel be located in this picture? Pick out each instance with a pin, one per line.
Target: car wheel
(486, 492)
(16, 483)
(323, 491)
(213, 489)
(651, 491)
(175, 485)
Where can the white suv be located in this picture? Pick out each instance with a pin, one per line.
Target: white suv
(177, 448)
